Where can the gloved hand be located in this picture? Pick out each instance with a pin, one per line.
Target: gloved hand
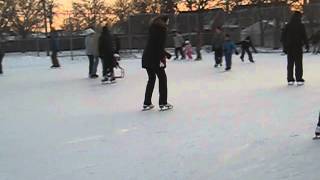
(284, 51)
(162, 64)
(307, 48)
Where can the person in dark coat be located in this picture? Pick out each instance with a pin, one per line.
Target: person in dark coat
(293, 38)
(2, 53)
(217, 46)
(154, 61)
(106, 51)
(228, 49)
(54, 49)
(245, 48)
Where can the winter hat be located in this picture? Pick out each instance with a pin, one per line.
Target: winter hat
(89, 31)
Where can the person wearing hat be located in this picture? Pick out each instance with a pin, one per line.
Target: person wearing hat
(294, 37)
(92, 52)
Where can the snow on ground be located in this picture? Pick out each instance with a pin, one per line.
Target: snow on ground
(56, 124)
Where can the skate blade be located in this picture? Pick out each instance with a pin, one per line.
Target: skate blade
(108, 82)
(165, 109)
(147, 109)
(316, 138)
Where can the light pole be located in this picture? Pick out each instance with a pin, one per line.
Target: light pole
(45, 22)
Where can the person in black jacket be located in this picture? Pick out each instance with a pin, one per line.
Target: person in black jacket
(317, 132)
(245, 48)
(293, 38)
(54, 49)
(154, 61)
(2, 52)
(106, 52)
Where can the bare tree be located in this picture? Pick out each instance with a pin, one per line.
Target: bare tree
(146, 6)
(6, 14)
(27, 16)
(88, 13)
(198, 6)
(122, 9)
(169, 6)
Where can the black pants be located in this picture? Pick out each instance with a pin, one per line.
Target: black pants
(295, 60)
(91, 64)
(319, 120)
(54, 59)
(218, 53)
(228, 57)
(1, 58)
(107, 67)
(178, 50)
(244, 51)
(163, 91)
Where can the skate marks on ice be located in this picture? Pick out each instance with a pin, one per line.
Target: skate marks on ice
(86, 139)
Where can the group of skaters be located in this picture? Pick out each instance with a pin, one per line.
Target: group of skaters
(101, 44)
(222, 45)
(293, 38)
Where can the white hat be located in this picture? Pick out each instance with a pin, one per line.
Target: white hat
(89, 31)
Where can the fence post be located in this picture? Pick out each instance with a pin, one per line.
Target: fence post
(129, 34)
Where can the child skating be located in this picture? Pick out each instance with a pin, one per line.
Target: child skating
(188, 50)
(228, 49)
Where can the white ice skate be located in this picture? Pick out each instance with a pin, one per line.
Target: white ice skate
(300, 83)
(165, 107)
(147, 107)
(290, 83)
(317, 133)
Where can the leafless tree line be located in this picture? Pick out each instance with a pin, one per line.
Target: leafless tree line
(26, 16)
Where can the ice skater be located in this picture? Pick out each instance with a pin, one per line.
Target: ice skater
(91, 43)
(245, 48)
(217, 46)
(188, 51)
(317, 132)
(106, 53)
(154, 61)
(178, 45)
(2, 53)
(54, 49)
(228, 49)
(293, 38)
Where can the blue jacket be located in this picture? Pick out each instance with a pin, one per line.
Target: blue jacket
(229, 47)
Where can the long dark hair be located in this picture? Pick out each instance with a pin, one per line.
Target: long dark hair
(295, 18)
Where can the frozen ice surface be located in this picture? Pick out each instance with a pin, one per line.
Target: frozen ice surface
(56, 124)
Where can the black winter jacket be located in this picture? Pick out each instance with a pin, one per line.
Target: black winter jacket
(106, 49)
(294, 36)
(154, 51)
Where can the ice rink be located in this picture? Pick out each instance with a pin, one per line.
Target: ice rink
(247, 124)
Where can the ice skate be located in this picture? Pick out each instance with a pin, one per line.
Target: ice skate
(147, 107)
(317, 133)
(165, 107)
(108, 80)
(300, 83)
(290, 83)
